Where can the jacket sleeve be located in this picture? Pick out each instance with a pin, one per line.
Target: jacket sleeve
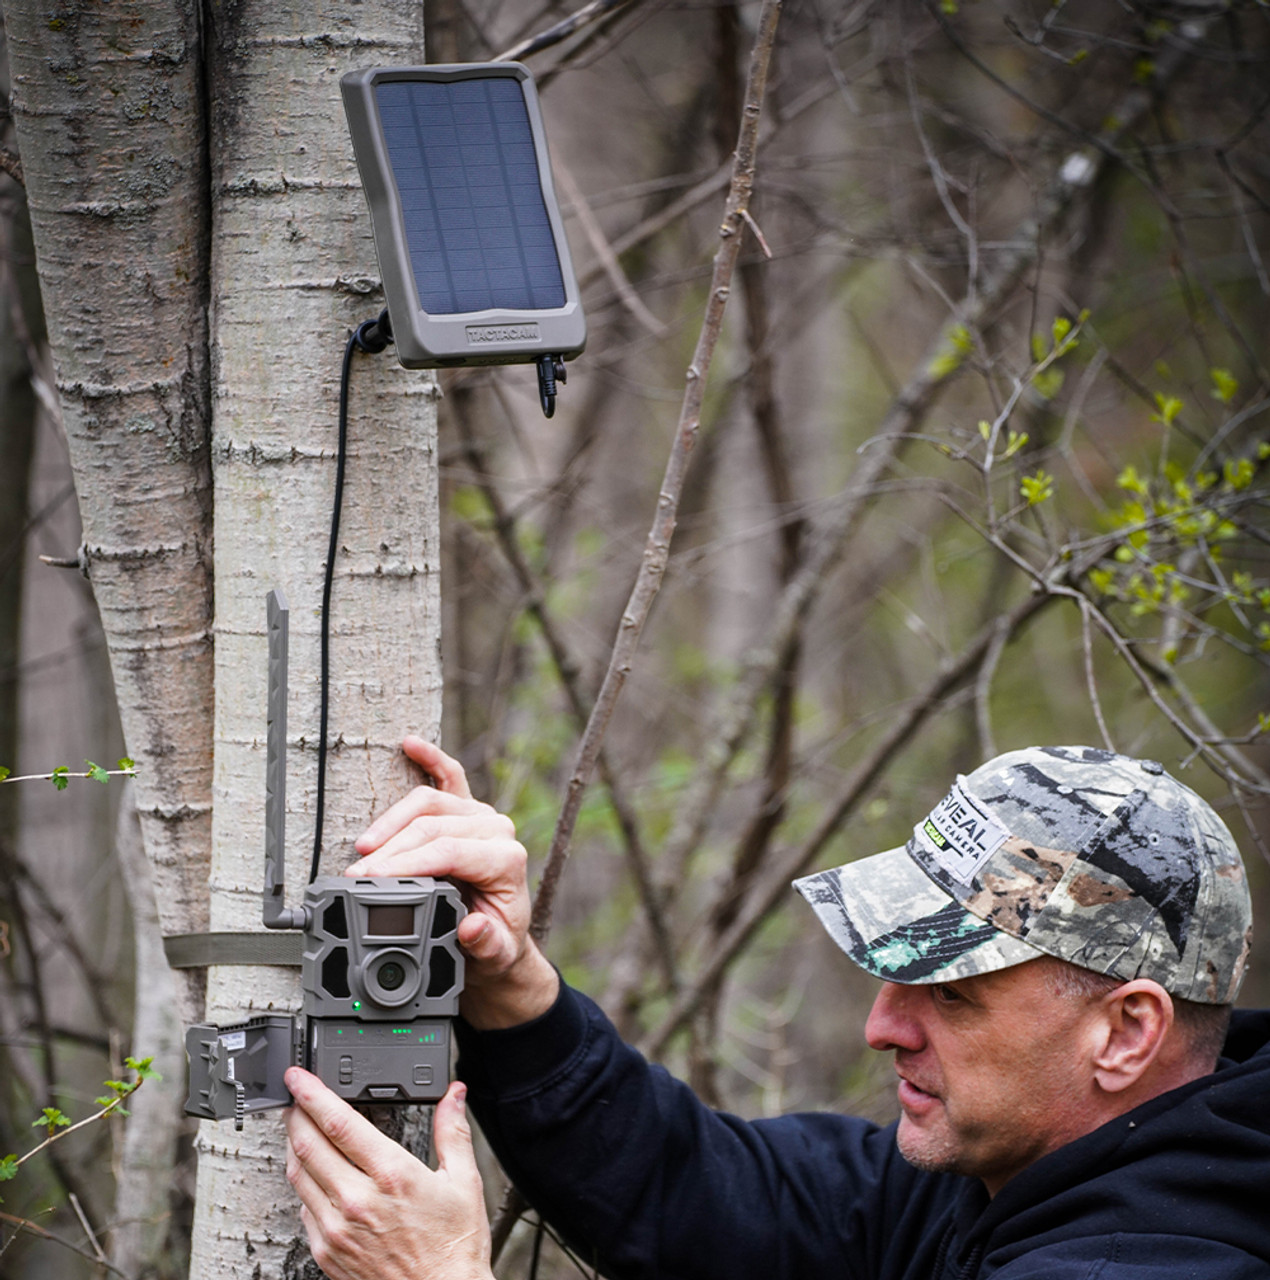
(643, 1180)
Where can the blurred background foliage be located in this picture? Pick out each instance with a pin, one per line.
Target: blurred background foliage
(1005, 357)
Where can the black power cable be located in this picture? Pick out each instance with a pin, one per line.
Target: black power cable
(372, 337)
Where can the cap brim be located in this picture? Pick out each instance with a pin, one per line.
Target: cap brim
(894, 921)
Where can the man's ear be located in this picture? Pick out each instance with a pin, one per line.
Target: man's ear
(1136, 1019)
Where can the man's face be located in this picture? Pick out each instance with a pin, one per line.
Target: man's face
(994, 1070)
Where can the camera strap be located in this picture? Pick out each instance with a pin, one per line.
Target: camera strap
(198, 950)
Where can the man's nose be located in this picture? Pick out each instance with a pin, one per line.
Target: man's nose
(892, 1023)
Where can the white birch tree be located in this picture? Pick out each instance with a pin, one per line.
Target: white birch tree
(204, 250)
(292, 267)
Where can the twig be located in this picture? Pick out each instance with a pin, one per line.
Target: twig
(25, 1224)
(563, 29)
(69, 1129)
(604, 251)
(657, 547)
(983, 689)
(88, 1231)
(12, 165)
(570, 678)
(94, 982)
(758, 234)
(61, 773)
(1091, 684)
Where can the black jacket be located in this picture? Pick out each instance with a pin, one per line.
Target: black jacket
(643, 1180)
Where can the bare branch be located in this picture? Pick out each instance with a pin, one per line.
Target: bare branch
(570, 678)
(657, 548)
(1091, 684)
(604, 251)
(563, 29)
(11, 163)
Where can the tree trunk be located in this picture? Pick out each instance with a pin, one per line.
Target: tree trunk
(294, 270)
(142, 1242)
(107, 104)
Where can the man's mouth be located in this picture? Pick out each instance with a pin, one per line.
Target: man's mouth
(914, 1099)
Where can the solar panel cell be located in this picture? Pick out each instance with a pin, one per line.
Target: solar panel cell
(463, 157)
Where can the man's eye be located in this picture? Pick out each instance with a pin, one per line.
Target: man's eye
(945, 994)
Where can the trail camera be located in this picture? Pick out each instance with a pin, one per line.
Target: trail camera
(380, 966)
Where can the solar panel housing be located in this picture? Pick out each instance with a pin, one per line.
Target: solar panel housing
(471, 245)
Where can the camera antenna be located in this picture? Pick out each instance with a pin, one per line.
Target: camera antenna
(276, 913)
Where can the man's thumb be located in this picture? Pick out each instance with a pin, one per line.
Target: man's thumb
(453, 1135)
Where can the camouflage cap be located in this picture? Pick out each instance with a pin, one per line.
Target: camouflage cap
(1096, 858)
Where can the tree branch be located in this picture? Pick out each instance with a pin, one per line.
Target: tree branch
(657, 547)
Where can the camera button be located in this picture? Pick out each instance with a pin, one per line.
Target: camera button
(423, 1074)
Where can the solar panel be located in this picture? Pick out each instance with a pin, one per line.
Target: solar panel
(471, 246)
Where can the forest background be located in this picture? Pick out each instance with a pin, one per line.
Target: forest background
(981, 462)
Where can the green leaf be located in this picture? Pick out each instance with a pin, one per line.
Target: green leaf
(51, 1119)
(1238, 473)
(143, 1068)
(1103, 581)
(945, 363)
(1061, 327)
(126, 764)
(96, 772)
(4, 773)
(1130, 480)
(1014, 442)
(60, 777)
(8, 1168)
(985, 430)
(1037, 488)
(1170, 407)
(1225, 384)
(961, 340)
(1048, 382)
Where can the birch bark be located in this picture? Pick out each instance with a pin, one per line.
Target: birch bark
(293, 271)
(107, 104)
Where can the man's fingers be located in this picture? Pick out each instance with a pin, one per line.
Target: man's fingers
(493, 867)
(444, 770)
(486, 940)
(347, 1132)
(479, 824)
(453, 1137)
(415, 804)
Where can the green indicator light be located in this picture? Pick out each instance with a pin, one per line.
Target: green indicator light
(360, 1032)
(339, 1031)
(357, 1004)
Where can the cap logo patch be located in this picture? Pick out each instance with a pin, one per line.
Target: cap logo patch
(960, 834)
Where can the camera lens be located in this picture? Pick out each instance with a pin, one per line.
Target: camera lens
(390, 975)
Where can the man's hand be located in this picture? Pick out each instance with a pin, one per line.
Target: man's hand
(371, 1210)
(443, 831)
